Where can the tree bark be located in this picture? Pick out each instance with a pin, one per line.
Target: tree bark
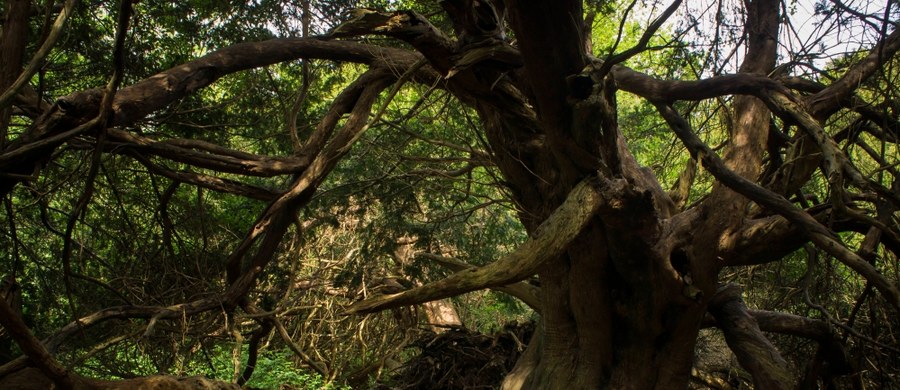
(615, 309)
(12, 46)
(754, 351)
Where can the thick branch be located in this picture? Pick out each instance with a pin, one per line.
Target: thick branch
(829, 100)
(754, 351)
(549, 240)
(33, 348)
(220, 160)
(407, 26)
(654, 89)
(135, 102)
(837, 164)
(791, 324)
(453, 59)
(277, 217)
(211, 182)
(155, 92)
(522, 290)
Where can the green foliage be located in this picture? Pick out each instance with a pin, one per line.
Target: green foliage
(275, 369)
(488, 311)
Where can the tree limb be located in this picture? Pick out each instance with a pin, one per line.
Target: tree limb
(33, 348)
(151, 94)
(827, 101)
(754, 351)
(524, 291)
(549, 240)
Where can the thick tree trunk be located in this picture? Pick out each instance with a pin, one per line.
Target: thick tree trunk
(611, 319)
(623, 307)
(621, 302)
(620, 308)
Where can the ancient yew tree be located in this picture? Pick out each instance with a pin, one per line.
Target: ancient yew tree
(780, 152)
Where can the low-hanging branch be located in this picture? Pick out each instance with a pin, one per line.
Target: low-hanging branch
(209, 182)
(549, 241)
(247, 165)
(524, 291)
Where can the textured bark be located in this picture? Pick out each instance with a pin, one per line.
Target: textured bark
(547, 242)
(524, 291)
(622, 304)
(614, 312)
(550, 55)
(754, 351)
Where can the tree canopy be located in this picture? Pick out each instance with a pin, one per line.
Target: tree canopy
(448, 194)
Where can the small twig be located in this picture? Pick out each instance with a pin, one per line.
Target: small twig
(642, 43)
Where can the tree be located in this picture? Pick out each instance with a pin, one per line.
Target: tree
(628, 271)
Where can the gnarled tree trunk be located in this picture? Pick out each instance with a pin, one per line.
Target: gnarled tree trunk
(623, 302)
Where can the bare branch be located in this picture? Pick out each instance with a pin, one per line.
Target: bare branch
(827, 101)
(654, 89)
(642, 43)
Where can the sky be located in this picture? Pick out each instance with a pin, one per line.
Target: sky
(807, 36)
